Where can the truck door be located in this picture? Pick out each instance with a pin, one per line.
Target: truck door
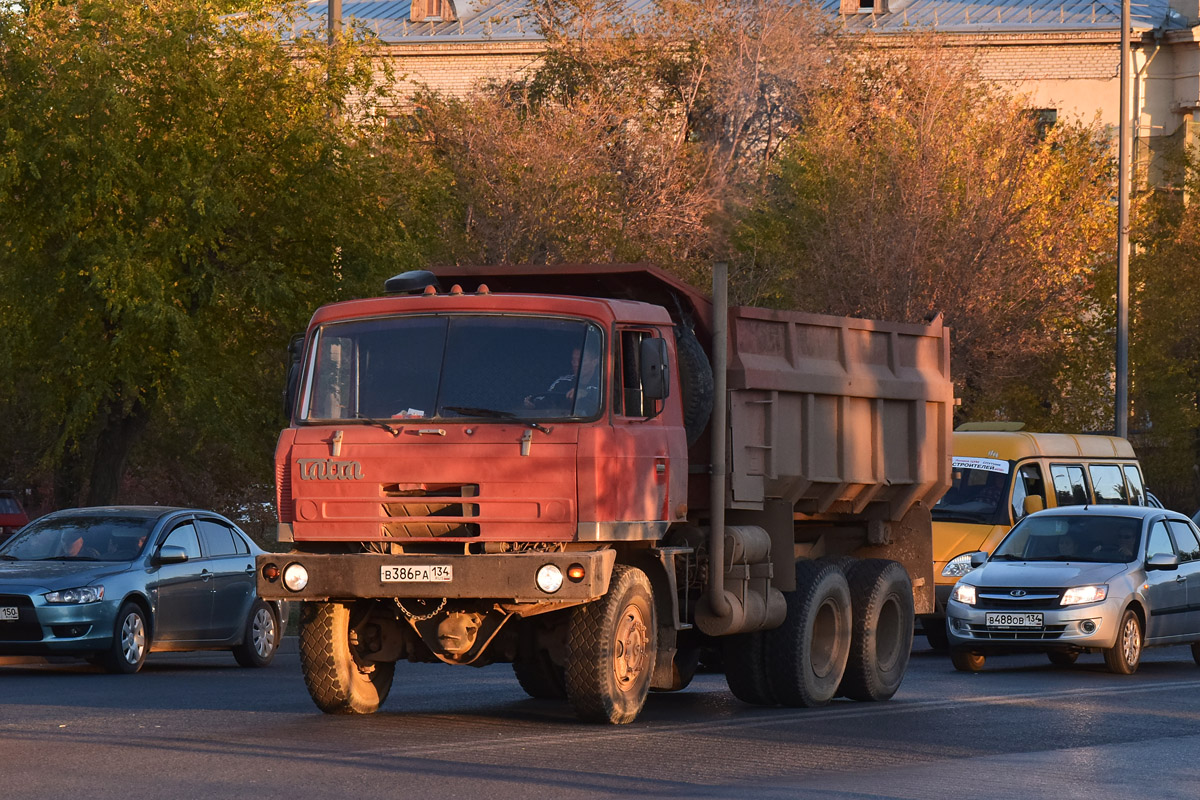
(640, 436)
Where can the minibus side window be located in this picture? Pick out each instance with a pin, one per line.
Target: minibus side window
(1137, 492)
(1029, 483)
(1109, 484)
(1070, 487)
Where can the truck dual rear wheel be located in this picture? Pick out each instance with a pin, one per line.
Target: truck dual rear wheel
(882, 630)
(806, 655)
(539, 676)
(745, 658)
(612, 643)
(339, 679)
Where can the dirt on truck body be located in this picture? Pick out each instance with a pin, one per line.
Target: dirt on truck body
(595, 473)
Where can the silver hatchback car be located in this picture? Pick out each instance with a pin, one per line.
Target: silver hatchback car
(1075, 579)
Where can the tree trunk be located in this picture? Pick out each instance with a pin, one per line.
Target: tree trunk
(68, 477)
(120, 429)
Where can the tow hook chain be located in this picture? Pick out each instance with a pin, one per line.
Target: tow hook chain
(419, 617)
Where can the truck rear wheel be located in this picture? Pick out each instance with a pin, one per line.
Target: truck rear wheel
(339, 679)
(806, 656)
(745, 659)
(612, 642)
(881, 633)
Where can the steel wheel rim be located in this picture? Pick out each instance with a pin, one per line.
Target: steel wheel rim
(133, 638)
(1131, 644)
(826, 639)
(630, 652)
(262, 633)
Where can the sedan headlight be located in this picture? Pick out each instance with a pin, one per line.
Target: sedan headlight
(1084, 594)
(958, 566)
(79, 596)
(964, 593)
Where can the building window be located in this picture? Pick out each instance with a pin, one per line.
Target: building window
(1043, 119)
(863, 7)
(432, 11)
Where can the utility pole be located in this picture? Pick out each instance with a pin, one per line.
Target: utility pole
(335, 20)
(1123, 161)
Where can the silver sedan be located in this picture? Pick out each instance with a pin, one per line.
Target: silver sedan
(1113, 579)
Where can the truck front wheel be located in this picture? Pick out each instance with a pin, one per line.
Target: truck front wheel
(612, 642)
(339, 679)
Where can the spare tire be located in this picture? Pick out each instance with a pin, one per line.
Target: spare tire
(696, 383)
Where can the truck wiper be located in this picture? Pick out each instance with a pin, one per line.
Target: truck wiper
(378, 423)
(471, 411)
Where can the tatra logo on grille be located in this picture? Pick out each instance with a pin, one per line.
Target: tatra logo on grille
(1018, 592)
(326, 469)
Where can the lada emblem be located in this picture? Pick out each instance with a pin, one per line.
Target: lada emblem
(326, 469)
(1018, 593)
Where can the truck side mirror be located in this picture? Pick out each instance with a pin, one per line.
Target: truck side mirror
(1033, 504)
(656, 383)
(295, 356)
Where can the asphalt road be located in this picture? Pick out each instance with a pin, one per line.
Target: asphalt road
(196, 725)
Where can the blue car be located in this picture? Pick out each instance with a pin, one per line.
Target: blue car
(114, 584)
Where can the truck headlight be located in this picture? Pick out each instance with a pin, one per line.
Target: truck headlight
(78, 596)
(1084, 594)
(295, 577)
(964, 593)
(958, 566)
(549, 578)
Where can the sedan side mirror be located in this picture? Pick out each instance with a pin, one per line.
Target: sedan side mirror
(171, 554)
(1163, 561)
(978, 559)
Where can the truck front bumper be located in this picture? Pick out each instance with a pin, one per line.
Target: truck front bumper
(504, 577)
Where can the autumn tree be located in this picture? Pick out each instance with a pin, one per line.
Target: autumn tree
(179, 188)
(915, 188)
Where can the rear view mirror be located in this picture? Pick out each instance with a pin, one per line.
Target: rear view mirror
(978, 558)
(171, 554)
(1033, 504)
(656, 383)
(1162, 561)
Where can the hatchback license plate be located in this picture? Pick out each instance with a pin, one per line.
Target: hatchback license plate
(433, 573)
(1025, 620)
(9, 614)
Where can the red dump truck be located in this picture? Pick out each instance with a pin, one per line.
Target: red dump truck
(598, 474)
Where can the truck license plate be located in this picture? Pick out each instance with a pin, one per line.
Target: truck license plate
(433, 573)
(1025, 620)
(9, 614)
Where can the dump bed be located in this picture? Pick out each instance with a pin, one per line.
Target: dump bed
(839, 416)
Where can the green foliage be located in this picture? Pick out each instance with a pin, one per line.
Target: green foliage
(178, 190)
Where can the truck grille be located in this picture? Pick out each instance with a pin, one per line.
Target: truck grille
(424, 501)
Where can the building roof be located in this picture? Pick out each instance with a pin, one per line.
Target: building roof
(512, 20)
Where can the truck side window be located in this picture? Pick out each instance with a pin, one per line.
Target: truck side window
(1137, 491)
(1029, 483)
(631, 401)
(1070, 487)
(1109, 484)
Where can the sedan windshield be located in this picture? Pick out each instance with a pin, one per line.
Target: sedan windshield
(455, 366)
(84, 538)
(1083, 537)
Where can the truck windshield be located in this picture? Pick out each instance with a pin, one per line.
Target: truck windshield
(455, 366)
(978, 494)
